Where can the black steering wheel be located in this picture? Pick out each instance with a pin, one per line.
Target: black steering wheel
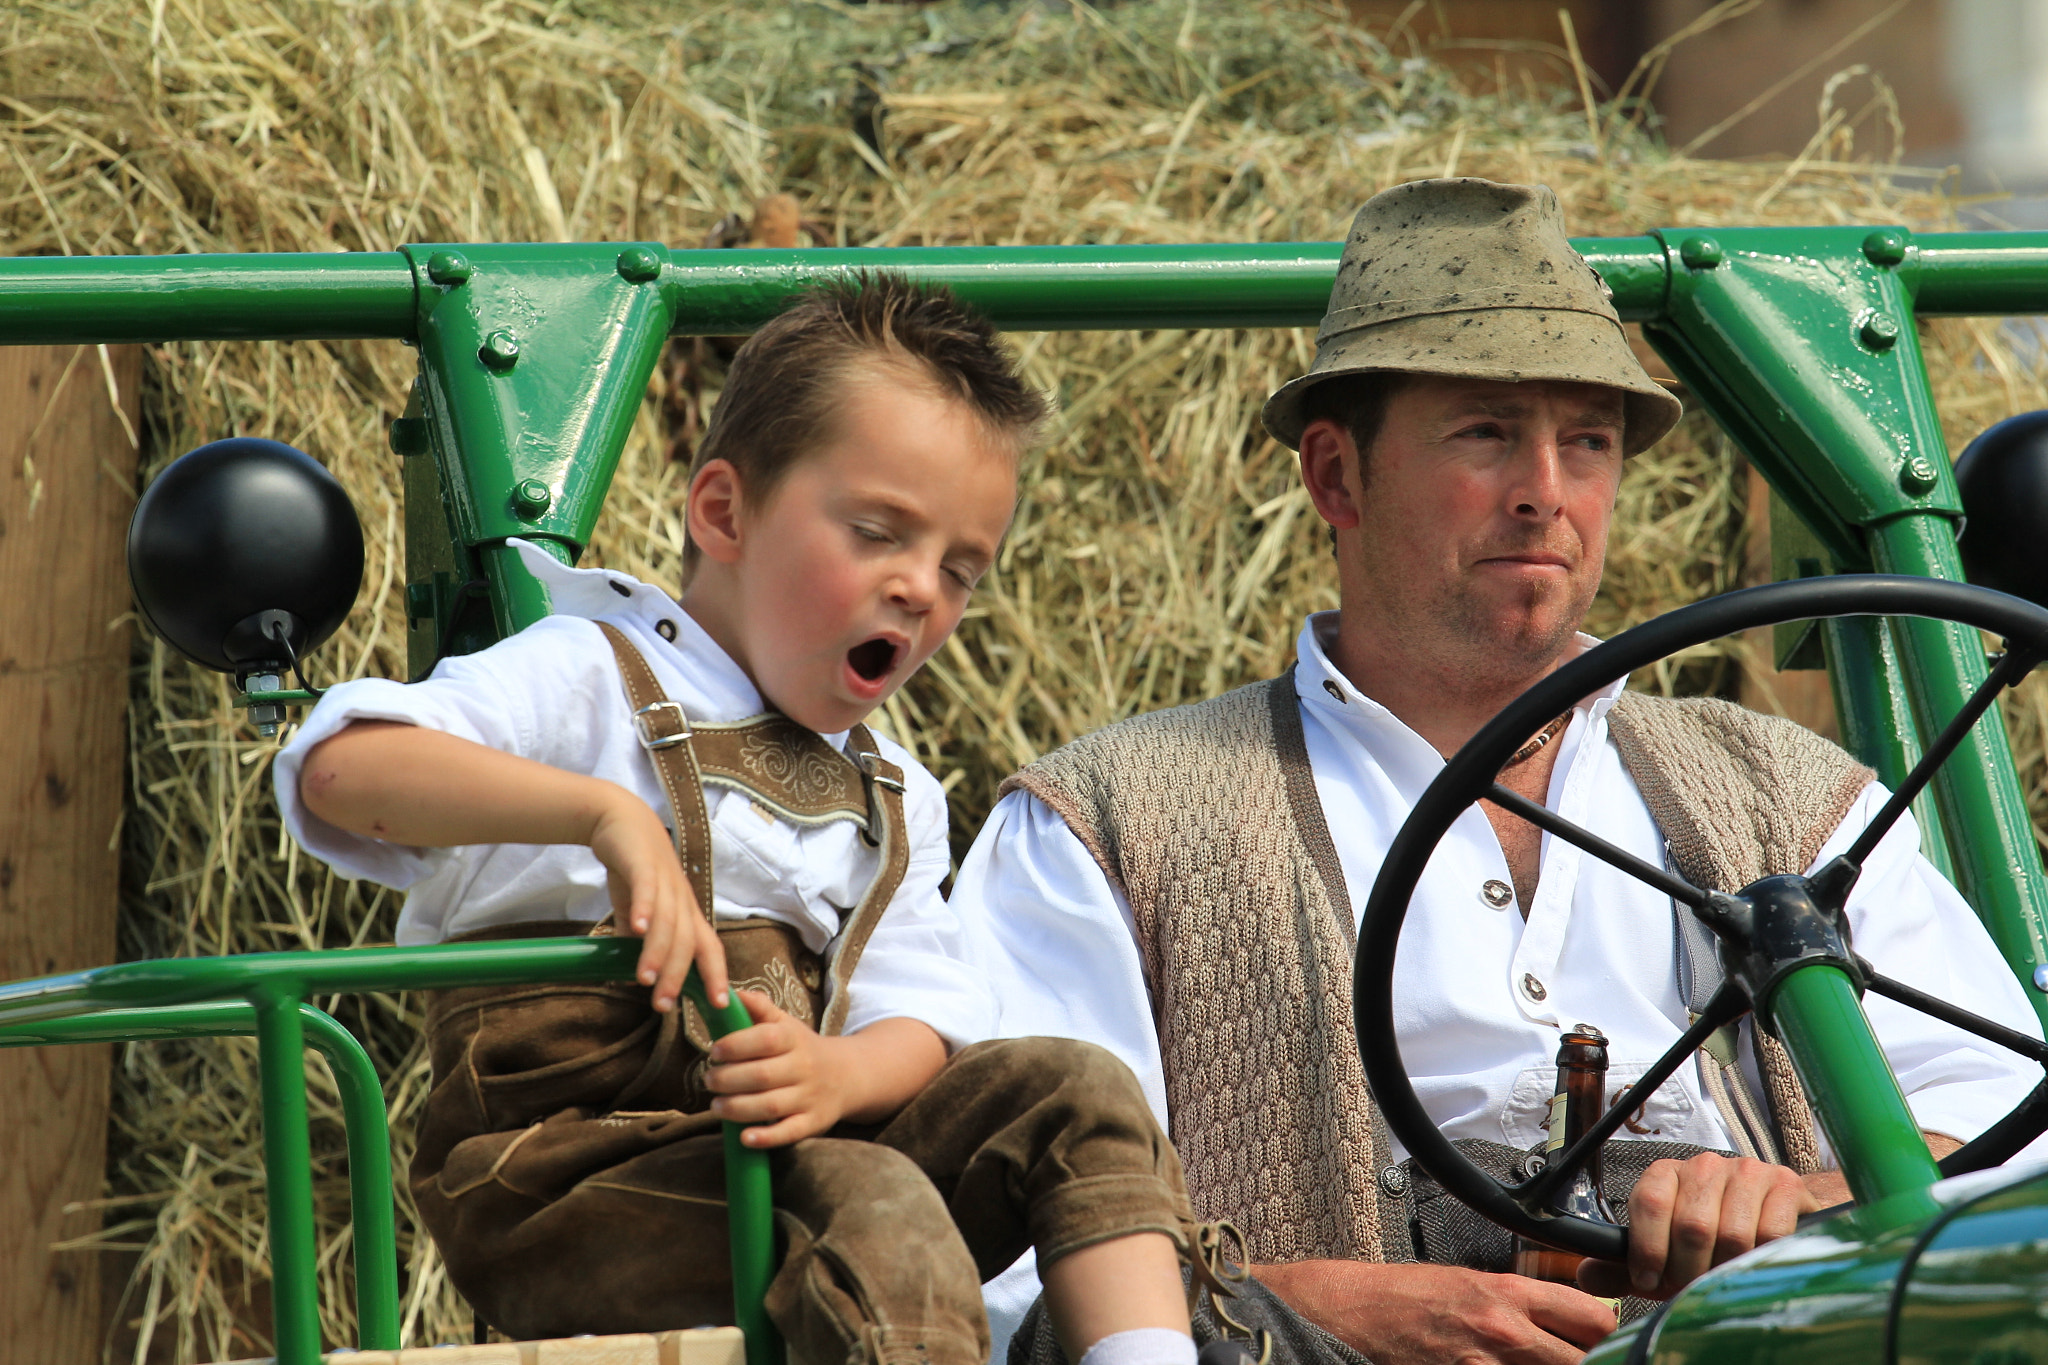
(1743, 922)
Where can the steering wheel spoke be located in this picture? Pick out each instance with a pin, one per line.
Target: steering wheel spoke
(1672, 885)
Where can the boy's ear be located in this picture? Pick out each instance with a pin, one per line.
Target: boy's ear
(715, 512)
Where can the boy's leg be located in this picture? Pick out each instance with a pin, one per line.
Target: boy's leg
(875, 1273)
(1042, 1142)
(1049, 1142)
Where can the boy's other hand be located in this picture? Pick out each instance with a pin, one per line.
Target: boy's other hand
(777, 1076)
(652, 898)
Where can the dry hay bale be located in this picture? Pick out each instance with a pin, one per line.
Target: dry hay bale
(1162, 551)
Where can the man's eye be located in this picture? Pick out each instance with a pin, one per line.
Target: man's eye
(873, 533)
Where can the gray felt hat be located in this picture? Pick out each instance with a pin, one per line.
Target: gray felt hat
(1473, 279)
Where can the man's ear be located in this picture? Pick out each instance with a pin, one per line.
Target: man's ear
(715, 512)
(1329, 458)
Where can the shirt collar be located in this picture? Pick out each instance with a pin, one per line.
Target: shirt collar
(1319, 683)
(608, 595)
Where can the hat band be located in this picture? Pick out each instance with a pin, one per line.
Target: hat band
(1339, 321)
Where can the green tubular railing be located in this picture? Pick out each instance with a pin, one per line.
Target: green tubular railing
(264, 995)
(362, 1108)
(534, 360)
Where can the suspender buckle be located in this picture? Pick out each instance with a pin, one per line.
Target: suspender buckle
(661, 725)
(873, 775)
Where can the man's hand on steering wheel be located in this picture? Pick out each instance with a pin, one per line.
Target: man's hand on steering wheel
(1686, 1217)
(1439, 1314)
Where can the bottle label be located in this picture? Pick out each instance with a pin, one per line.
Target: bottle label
(1554, 1142)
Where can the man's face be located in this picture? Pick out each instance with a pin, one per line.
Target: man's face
(1478, 529)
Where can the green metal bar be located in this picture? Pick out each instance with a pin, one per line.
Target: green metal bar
(749, 1204)
(372, 1218)
(363, 1120)
(177, 981)
(1997, 861)
(1081, 288)
(288, 1177)
(284, 296)
(1815, 1012)
(1876, 717)
(1978, 274)
(273, 296)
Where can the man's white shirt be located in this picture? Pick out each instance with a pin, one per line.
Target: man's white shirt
(552, 693)
(1480, 995)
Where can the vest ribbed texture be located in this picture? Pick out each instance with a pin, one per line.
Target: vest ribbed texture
(1245, 931)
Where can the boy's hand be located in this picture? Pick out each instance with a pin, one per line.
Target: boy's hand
(777, 1075)
(652, 898)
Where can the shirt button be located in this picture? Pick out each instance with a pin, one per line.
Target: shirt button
(1533, 988)
(1497, 893)
(1394, 1181)
(1334, 690)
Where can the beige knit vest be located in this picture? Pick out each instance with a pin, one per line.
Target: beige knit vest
(1206, 817)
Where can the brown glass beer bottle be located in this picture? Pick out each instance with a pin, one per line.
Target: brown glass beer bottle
(1575, 1107)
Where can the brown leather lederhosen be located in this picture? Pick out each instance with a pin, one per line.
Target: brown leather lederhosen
(572, 1177)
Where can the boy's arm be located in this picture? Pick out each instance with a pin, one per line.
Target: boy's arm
(411, 785)
(793, 1083)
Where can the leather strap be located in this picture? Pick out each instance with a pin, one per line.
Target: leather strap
(665, 733)
(886, 829)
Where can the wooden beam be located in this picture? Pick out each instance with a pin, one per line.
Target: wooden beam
(68, 422)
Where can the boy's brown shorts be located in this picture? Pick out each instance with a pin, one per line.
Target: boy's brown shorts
(559, 1213)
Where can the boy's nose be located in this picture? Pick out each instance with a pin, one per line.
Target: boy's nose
(916, 587)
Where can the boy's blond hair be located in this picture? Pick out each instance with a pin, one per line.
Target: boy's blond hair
(780, 391)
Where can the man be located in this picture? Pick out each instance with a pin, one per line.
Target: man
(1182, 887)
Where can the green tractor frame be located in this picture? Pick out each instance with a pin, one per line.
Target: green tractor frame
(1800, 342)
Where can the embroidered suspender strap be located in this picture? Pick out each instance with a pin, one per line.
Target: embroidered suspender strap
(886, 828)
(665, 734)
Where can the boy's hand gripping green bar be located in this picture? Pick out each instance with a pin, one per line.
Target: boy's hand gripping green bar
(749, 1202)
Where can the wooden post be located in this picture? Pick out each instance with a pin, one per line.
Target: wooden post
(69, 416)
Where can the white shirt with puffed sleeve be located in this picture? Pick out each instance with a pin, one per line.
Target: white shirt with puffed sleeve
(1481, 994)
(552, 693)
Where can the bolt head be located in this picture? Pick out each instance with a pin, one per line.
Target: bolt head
(1886, 247)
(500, 350)
(531, 498)
(408, 436)
(2041, 979)
(1918, 475)
(1878, 332)
(639, 265)
(449, 268)
(1700, 253)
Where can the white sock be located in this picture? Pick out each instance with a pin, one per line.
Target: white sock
(1142, 1346)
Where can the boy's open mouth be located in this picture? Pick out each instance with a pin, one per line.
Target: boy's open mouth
(872, 659)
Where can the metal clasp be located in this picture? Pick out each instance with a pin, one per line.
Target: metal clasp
(871, 777)
(643, 725)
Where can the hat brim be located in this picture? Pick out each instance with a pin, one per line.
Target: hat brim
(1511, 345)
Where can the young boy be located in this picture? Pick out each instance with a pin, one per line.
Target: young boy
(854, 484)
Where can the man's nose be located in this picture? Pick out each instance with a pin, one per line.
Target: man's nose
(1538, 488)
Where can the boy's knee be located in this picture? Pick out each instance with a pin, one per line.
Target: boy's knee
(1053, 1063)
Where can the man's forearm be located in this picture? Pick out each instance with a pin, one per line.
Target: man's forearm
(1831, 1187)
(412, 785)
